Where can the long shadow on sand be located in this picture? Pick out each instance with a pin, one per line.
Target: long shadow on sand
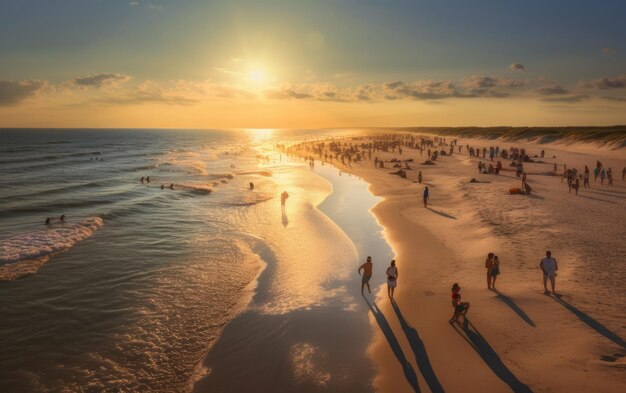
(419, 350)
(441, 213)
(509, 302)
(409, 373)
(491, 358)
(592, 323)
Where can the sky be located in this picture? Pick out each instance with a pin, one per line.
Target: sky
(311, 63)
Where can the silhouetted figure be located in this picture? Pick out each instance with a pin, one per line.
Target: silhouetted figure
(367, 274)
(283, 199)
(426, 196)
(489, 267)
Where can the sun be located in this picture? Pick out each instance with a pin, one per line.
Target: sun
(256, 75)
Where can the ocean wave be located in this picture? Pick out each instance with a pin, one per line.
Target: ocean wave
(259, 172)
(195, 188)
(21, 254)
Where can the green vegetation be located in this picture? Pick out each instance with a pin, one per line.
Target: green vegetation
(611, 135)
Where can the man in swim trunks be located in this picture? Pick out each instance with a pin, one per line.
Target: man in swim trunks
(549, 267)
(367, 274)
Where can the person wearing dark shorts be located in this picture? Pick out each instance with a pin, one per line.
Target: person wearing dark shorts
(367, 274)
(460, 308)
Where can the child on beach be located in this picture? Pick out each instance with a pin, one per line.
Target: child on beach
(460, 308)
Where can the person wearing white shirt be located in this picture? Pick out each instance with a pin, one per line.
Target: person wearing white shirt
(549, 267)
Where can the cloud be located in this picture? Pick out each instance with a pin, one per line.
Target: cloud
(100, 80)
(568, 98)
(551, 90)
(317, 92)
(489, 86)
(609, 51)
(12, 93)
(618, 82)
(517, 67)
(420, 90)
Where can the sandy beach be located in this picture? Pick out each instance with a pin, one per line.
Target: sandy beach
(518, 338)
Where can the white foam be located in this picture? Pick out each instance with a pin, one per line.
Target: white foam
(39, 244)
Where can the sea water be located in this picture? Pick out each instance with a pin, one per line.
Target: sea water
(132, 289)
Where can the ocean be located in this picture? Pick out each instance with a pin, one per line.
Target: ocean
(135, 286)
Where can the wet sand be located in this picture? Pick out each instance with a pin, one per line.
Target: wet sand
(306, 327)
(519, 339)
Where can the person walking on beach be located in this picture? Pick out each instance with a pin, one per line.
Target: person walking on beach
(426, 196)
(495, 271)
(586, 177)
(392, 278)
(549, 267)
(283, 199)
(489, 267)
(367, 274)
(460, 308)
(419, 177)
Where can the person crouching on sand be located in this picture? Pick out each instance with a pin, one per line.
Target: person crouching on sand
(460, 308)
(392, 278)
(367, 274)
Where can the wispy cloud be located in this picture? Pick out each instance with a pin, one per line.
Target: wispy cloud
(609, 51)
(567, 98)
(12, 93)
(618, 82)
(551, 90)
(100, 80)
(517, 67)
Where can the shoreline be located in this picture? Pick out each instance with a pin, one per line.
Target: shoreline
(445, 244)
(319, 346)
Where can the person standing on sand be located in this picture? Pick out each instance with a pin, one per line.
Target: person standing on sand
(419, 177)
(460, 308)
(549, 267)
(495, 271)
(586, 177)
(624, 173)
(392, 278)
(283, 199)
(489, 267)
(367, 274)
(602, 176)
(426, 196)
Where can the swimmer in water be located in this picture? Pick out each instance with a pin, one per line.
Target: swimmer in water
(62, 218)
(172, 186)
(162, 187)
(142, 179)
(48, 221)
(148, 179)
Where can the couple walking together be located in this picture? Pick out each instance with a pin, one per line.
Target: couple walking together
(392, 276)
